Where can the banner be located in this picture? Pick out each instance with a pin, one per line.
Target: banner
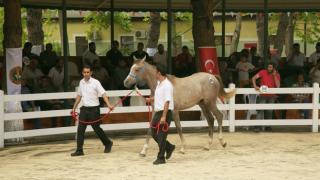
(14, 73)
(36, 49)
(209, 61)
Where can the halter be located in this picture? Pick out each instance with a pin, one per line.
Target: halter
(144, 65)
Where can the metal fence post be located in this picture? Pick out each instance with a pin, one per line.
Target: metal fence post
(315, 111)
(232, 111)
(1, 119)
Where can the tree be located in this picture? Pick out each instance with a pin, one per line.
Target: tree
(280, 36)
(260, 32)
(202, 29)
(154, 30)
(236, 34)
(34, 26)
(290, 34)
(312, 34)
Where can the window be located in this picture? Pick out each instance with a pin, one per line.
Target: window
(218, 40)
(127, 41)
(81, 45)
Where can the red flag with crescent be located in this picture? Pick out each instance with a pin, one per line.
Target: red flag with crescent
(209, 62)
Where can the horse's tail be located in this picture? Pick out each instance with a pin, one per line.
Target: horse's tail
(222, 93)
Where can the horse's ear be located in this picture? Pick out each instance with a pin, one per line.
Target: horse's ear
(135, 59)
(143, 60)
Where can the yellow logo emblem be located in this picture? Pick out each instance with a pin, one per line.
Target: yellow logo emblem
(15, 75)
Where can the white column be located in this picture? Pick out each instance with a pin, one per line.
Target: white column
(315, 111)
(232, 111)
(1, 119)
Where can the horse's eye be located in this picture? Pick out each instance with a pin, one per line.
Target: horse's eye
(137, 70)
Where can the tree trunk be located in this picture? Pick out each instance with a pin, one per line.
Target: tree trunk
(61, 32)
(290, 34)
(236, 34)
(12, 31)
(154, 30)
(202, 29)
(281, 33)
(260, 32)
(174, 43)
(34, 26)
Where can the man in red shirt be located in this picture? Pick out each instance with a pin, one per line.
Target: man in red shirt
(183, 63)
(271, 79)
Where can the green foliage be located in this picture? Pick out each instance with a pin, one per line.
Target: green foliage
(312, 31)
(47, 20)
(103, 21)
(186, 17)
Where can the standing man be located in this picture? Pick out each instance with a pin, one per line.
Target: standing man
(90, 55)
(90, 111)
(163, 106)
(296, 61)
(56, 76)
(160, 57)
(113, 58)
(271, 79)
(301, 98)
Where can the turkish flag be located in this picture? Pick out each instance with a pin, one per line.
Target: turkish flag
(80, 11)
(209, 61)
(133, 13)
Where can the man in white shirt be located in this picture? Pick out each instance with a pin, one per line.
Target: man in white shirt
(90, 55)
(296, 61)
(163, 106)
(89, 88)
(32, 74)
(312, 61)
(56, 75)
(160, 57)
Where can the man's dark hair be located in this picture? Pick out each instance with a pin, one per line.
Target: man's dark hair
(185, 47)
(92, 43)
(27, 44)
(115, 42)
(87, 67)
(318, 44)
(162, 69)
(244, 51)
(94, 61)
(253, 48)
(44, 77)
(296, 44)
(244, 54)
(140, 43)
(160, 45)
(57, 61)
(273, 64)
(48, 44)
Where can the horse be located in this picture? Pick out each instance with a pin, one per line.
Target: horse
(199, 88)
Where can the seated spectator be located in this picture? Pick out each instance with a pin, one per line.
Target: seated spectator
(183, 65)
(252, 53)
(244, 68)
(46, 105)
(313, 59)
(26, 105)
(226, 76)
(139, 54)
(121, 74)
(47, 59)
(314, 74)
(26, 51)
(296, 61)
(113, 58)
(90, 55)
(129, 63)
(273, 57)
(160, 57)
(32, 75)
(102, 75)
(56, 76)
(301, 98)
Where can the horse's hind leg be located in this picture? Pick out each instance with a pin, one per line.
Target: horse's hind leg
(176, 119)
(218, 115)
(146, 145)
(210, 120)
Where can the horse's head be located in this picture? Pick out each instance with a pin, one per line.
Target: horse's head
(136, 72)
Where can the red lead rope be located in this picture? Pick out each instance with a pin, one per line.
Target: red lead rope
(75, 114)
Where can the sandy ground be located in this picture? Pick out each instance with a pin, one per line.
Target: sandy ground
(266, 155)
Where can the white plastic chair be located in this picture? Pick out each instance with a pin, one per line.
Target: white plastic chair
(115, 100)
(137, 101)
(252, 100)
(73, 69)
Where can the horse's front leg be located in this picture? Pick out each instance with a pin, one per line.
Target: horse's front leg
(176, 119)
(146, 145)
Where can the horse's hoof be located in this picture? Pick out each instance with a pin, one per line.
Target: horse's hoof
(142, 155)
(180, 152)
(205, 149)
(225, 145)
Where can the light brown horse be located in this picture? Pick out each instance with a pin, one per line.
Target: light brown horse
(200, 88)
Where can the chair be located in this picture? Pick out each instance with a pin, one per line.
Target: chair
(115, 100)
(252, 100)
(137, 101)
(73, 69)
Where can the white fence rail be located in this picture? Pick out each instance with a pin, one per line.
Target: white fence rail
(232, 107)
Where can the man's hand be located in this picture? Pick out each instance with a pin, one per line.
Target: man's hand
(300, 100)
(111, 107)
(162, 120)
(147, 100)
(274, 73)
(257, 88)
(73, 110)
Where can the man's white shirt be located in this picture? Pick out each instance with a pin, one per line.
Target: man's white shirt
(90, 91)
(163, 93)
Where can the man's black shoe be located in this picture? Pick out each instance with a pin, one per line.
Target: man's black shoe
(159, 161)
(77, 153)
(108, 147)
(170, 151)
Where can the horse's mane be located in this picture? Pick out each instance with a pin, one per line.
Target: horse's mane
(171, 78)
